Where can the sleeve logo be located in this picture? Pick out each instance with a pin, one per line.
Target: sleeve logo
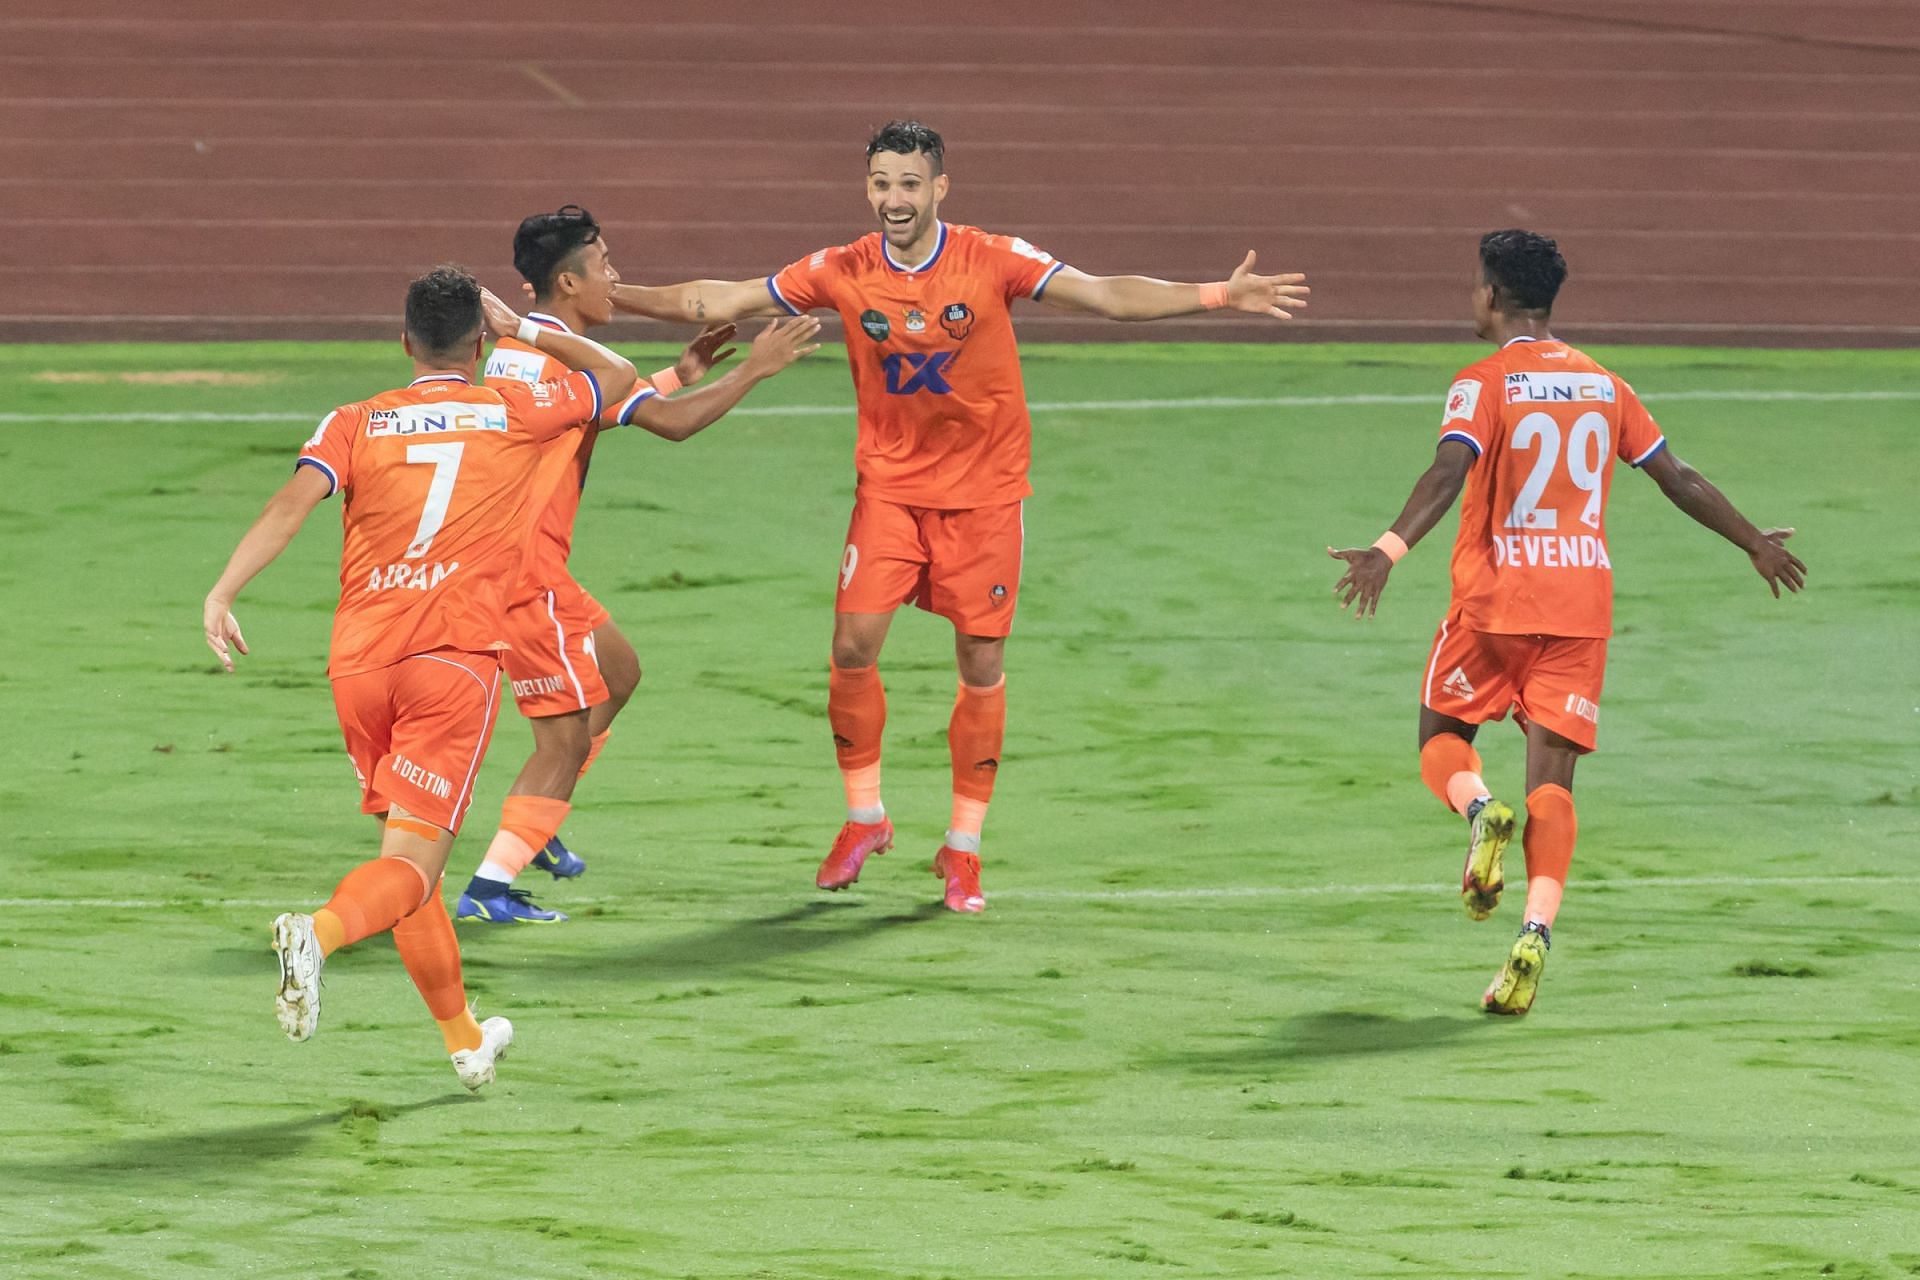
(1462, 400)
(1026, 250)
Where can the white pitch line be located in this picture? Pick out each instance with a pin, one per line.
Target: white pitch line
(1042, 406)
(1191, 893)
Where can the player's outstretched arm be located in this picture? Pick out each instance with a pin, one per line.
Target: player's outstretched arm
(697, 301)
(1433, 495)
(1696, 495)
(776, 347)
(285, 512)
(613, 371)
(1144, 298)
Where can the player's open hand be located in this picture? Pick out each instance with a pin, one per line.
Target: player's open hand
(1266, 295)
(699, 357)
(1777, 564)
(223, 632)
(1364, 580)
(781, 343)
(502, 319)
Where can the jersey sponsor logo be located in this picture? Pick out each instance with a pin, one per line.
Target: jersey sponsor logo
(519, 366)
(539, 685)
(916, 320)
(1582, 707)
(433, 419)
(422, 777)
(1462, 400)
(817, 261)
(911, 372)
(1458, 685)
(409, 576)
(1559, 388)
(1026, 250)
(957, 319)
(875, 325)
(1537, 551)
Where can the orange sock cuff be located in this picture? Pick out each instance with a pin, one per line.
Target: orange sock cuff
(533, 819)
(593, 752)
(857, 712)
(374, 896)
(328, 931)
(974, 738)
(863, 786)
(460, 1031)
(969, 816)
(1553, 826)
(1451, 769)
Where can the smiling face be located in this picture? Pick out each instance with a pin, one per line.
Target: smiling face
(905, 194)
(586, 284)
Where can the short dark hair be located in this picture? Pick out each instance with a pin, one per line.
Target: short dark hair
(546, 242)
(1524, 268)
(909, 137)
(443, 310)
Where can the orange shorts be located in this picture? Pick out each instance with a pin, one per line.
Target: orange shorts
(552, 668)
(1554, 681)
(417, 730)
(962, 564)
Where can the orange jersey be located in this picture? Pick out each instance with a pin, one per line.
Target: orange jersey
(437, 477)
(562, 472)
(943, 411)
(1545, 423)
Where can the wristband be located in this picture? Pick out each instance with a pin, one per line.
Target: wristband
(528, 331)
(666, 382)
(1393, 544)
(1214, 296)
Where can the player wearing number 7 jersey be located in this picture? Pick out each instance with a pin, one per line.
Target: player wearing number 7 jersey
(437, 484)
(1532, 433)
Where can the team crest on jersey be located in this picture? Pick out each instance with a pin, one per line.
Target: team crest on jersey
(1458, 685)
(876, 325)
(1462, 400)
(916, 320)
(998, 595)
(957, 319)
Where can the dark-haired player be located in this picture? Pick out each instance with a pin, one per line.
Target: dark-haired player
(1532, 432)
(570, 668)
(437, 485)
(944, 441)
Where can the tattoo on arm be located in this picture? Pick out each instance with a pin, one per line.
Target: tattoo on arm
(699, 307)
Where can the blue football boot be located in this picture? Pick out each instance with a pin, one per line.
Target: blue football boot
(502, 904)
(559, 861)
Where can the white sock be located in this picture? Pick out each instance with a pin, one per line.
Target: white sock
(867, 815)
(494, 871)
(965, 842)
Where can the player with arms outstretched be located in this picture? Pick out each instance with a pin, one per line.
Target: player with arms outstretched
(944, 442)
(1531, 432)
(570, 668)
(437, 479)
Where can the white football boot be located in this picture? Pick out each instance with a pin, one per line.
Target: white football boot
(475, 1066)
(298, 1003)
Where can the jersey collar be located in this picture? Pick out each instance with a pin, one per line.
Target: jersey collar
(442, 377)
(546, 321)
(939, 247)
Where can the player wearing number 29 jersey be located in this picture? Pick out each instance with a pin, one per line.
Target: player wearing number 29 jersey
(1532, 433)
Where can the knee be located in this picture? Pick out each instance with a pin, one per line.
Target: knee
(850, 654)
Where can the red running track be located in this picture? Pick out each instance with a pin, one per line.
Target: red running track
(1734, 171)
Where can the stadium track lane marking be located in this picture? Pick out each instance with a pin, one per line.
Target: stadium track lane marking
(1038, 406)
(1191, 893)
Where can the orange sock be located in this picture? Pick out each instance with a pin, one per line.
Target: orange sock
(368, 900)
(857, 712)
(593, 753)
(974, 736)
(431, 952)
(526, 824)
(1451, 769)
(1552, 826)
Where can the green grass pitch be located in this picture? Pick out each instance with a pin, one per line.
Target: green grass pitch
(1220, 1018)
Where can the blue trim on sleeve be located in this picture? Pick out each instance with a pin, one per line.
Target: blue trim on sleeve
(598, 401)
(1464, 439)
(333, 481)
(1045, 280)
(774, 290)
(634, 402)
(1648, 456)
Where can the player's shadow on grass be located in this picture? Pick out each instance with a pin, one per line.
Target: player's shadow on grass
(743, 944)
(1336, 1033)
(214, 1155)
